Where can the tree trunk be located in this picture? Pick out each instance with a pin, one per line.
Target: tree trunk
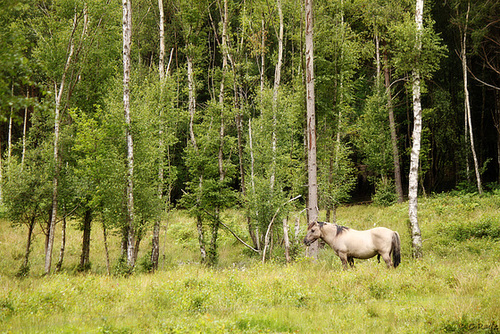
(276, 87)
(262, 56)
(63, 246)
(192, 110)
(24, 270)
(127, 43)
(155, 248)
(394, 135)
(311, 125)
(286, 240)
(106, 249)
(56, 159)
(85, 256)
(415, 151)
(468, 119)
(25, 124)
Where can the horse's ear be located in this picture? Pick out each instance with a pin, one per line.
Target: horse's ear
(321, 224)
(311, 224)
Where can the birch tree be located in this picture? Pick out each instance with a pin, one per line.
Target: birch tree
(155, 251)
(59, 87)
(417, 132)
(469, 134)
(127, 43)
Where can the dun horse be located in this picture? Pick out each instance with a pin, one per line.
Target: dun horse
(349, 244)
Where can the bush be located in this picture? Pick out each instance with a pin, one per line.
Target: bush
(385, 193)
(486, 228)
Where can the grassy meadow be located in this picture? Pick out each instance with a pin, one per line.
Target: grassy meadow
(455, 288)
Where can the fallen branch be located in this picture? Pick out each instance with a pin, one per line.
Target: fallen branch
(271, 223)
(238, 238)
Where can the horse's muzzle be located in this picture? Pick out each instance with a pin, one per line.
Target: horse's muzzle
(308, 242)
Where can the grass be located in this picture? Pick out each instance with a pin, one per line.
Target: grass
(455, 288)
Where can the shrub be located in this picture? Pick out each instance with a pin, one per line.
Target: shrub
(385, 193)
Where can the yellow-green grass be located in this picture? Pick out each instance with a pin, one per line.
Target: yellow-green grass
(454, 288)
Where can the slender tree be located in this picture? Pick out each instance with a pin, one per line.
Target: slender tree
(417, 131)
(469, 134)
(127, 43)
(155, 251)
(312, 199)
(60, 89)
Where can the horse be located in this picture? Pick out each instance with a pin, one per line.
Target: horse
(350, 244)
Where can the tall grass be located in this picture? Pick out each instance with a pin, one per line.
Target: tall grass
(455, 288)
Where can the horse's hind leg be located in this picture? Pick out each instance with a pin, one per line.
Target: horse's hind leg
(387, 259)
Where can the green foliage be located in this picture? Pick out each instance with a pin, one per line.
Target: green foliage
(406, 57)
(488, 227)
(372, 135)
(385, 192)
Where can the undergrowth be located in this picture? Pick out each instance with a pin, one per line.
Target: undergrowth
(455, 288)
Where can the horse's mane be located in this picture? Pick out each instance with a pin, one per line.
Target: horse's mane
(341, 229)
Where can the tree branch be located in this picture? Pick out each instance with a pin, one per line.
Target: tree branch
(271, 223)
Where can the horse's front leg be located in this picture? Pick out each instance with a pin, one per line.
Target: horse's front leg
(344, 259)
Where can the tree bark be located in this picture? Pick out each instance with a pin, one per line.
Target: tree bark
(56, 158)
(127, 43)
(311, 124)
(468, 118)
(415, 151)
(192, 110)
(63, 246)
(25, 266)
(106, 249)
(276, 87)
(286, 240)
(87, 226)
(155, 248)
(394, 135)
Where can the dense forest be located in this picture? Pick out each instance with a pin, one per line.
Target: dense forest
(217, 111)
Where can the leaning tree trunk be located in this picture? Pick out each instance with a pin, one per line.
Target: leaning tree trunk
(23, 271)
(127, 43)
(312, 204)
(415, 151)
(56, 158)
(468, 119)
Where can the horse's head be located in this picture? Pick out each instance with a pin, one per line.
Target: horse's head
(313, 233)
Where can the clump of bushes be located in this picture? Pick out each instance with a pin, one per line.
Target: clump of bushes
(486, 228)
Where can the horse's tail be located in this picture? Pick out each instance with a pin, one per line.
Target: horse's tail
(396, 249)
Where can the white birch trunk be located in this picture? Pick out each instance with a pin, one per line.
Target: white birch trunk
(312, 204)
(262, 57)
(57, 119)
(277, 82)
(155, 250)
(468, 118)
(25, 124)
(127, 42)
(415, 151)
(286, 240)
